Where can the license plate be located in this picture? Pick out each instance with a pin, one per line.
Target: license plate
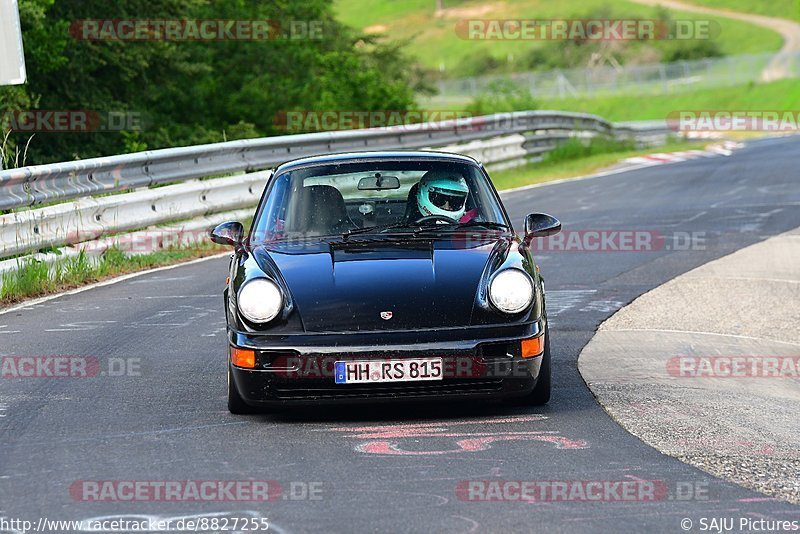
(362, 372)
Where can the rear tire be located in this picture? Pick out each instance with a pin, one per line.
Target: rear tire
(541, 393)
(236, 404)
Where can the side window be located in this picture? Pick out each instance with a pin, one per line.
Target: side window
(274, 213)
(482, 197)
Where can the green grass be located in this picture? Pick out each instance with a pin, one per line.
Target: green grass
(434, 43)
(775, 96)
(785, 9)
(577, 149)
(570, 162)
(32, 278)
(35, 278)
(782, 95)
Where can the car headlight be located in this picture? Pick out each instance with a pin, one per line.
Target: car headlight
(511, 290)
(260, 300)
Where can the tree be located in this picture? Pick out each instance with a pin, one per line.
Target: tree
(196, 92)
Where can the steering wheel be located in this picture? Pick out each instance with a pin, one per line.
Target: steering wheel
(429, 218)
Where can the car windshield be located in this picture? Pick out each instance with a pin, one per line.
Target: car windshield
(383, 198)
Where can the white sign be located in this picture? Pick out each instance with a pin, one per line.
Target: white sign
(12, 58)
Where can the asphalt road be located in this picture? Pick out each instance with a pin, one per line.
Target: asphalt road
(388, 468)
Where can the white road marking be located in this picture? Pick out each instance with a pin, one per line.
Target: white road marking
(156, 279)
(695, 217)
(641, 161)
(183, 316)
(701, 154)
(721, 151)
(559, 301)
(128, 435)
(474, 525)
(220, 330)
(602, 306)
(4, 331)
(154, 297)
(662, 158)
(80, 326)
(77, 308)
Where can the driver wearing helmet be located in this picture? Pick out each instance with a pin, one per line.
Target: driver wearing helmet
(443, 194)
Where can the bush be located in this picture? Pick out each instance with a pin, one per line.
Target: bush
(501, 96)
(481, 63)
(689, 50)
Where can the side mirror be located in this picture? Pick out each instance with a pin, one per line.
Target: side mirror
(541, 225)
(228, 233)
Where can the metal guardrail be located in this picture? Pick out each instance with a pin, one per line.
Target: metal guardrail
(29, 186)
(502, 140)
(91, 218)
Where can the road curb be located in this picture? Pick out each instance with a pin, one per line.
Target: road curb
(682, 367)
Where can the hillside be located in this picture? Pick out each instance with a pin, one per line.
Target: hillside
(437, 47)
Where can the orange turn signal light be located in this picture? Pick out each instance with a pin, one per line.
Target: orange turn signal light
(532, 347)
(243, 357)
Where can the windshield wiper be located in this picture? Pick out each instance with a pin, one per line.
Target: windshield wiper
(369, 229)
(471, 224)
(488, 224)
(417, 229)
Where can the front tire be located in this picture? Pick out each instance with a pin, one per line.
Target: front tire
(236, 404)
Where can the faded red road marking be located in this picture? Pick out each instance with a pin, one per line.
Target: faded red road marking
(384, 437)
(470, 444)
(400, 430)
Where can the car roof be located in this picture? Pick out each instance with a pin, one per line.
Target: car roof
(396, 155)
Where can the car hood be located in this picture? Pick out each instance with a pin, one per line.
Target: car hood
(383, 285)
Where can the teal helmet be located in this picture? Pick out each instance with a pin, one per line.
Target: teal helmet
(442, 193)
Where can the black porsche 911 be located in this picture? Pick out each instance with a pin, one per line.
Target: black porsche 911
(384, 276)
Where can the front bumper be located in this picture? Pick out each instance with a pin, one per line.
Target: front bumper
(479, 362)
